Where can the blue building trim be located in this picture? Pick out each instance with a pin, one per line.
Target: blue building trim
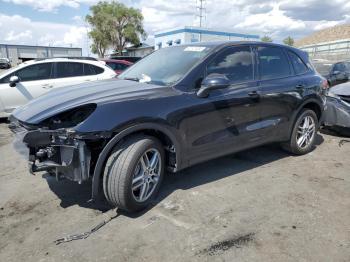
(207, 32)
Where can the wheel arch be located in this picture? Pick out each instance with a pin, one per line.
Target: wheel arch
(311, 103)
(163, 133)
(314, 106)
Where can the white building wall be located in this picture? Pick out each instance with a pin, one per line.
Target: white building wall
(17, 52)
(208, 38)
(3, 52)
(192, 37)
(164, 40)
(13, 55)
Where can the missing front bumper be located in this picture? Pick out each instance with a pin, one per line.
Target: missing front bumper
(55, 151)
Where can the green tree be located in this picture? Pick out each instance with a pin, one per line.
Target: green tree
(100, 42)
(266, 38)
(114, 25)
(288, 41)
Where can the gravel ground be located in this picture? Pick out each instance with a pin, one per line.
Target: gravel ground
(258, 205)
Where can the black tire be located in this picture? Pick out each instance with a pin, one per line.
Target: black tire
(292, 145)
(120, 168)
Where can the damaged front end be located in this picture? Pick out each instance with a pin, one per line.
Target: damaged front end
(337, 113)
(54, 145)
(58, 152)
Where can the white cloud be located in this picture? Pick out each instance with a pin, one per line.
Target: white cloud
(74, 36)
(277, 18)
(28, 32)
(12, 36)
(271, 23)
(77, 19)
(50, 5)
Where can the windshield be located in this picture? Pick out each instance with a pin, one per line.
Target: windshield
(165, 66)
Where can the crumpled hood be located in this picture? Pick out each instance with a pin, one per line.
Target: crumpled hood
(341, 90)
(69, 97)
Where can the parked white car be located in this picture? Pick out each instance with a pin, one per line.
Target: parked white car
(36, 77)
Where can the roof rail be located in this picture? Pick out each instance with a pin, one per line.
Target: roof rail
(68, 57)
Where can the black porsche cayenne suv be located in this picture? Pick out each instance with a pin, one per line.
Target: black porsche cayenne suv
(177, 107)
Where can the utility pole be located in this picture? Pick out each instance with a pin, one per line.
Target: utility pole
(201, 15)
(201, 10)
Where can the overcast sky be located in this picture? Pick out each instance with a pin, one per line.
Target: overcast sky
(61, 22)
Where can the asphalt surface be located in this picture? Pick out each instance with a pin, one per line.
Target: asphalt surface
(258, 205)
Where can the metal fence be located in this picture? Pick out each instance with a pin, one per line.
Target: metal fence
(333, 51)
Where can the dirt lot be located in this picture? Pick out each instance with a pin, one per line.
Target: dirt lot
(259, 205)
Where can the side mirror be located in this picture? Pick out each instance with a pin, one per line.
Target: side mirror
(336, 72)
(13, 81)
(213, 82)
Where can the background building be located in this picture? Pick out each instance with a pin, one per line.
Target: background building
(189, 34)
(332, 43)
(21, 53)
(140, 50)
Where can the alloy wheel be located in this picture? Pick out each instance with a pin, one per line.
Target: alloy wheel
(146, 175)
(306, 132)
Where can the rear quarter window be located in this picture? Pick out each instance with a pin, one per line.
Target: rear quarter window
(98, 70)
(92, 70)
(297, 63)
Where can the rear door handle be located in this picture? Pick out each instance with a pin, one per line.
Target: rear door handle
(254, 94)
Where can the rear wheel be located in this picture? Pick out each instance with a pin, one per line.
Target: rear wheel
(304, 133)
(133, 173)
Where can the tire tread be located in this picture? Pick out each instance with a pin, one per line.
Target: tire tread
(117, 169)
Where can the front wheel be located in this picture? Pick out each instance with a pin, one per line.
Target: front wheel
(304, 133)
(133, 173)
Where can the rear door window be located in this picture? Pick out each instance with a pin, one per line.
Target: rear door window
(35, 72)
(298, 64)
(273, 63)
(69, 69)
(236, 63)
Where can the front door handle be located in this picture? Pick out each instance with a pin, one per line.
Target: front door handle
(254, 95)
(300, 86)
(47, 86)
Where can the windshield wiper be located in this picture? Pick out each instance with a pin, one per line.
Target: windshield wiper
(132, 79)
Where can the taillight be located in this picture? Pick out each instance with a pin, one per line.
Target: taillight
(325, 84)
